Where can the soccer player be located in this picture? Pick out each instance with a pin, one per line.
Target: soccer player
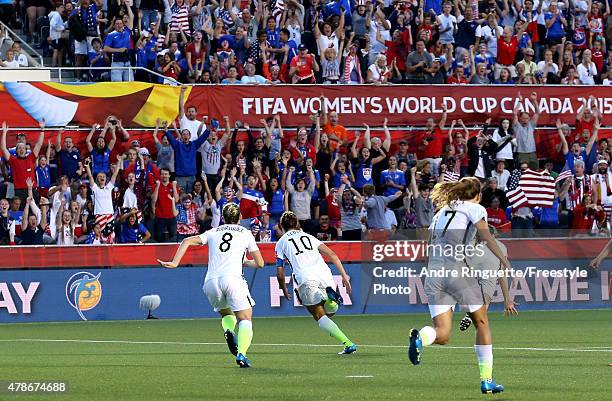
(226, 289)
(489, 262)
(314, 284)
(454, 226)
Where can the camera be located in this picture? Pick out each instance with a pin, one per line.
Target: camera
(113, 122)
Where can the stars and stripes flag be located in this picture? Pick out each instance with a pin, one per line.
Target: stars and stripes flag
(516, 198)
(539, 187)
(564, 174)
(531, 188)
(107, 226)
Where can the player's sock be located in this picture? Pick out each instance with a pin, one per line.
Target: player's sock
(245, 335)
(484, 353)
(328, 326)
(228, 322)
(428, 335)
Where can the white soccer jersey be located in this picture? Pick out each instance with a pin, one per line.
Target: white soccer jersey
(227, 245)
(455, 224)
(301, 251)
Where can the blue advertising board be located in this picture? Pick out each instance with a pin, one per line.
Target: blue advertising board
(114, 294)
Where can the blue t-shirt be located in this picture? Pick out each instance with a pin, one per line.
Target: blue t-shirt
(363, 174)
(277, 204)
(69, 162)
(397, 177)
(43, 176)
(273, 38)
(131, 234)
(118, 40)
(100, 161)
(556, 30)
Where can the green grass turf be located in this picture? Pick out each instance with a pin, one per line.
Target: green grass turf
(120, 371)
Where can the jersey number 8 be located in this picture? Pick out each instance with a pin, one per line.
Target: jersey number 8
(225, 244)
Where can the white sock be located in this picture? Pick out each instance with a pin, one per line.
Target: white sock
(484, 353)
(428, 335)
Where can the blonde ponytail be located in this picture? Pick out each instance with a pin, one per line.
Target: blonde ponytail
(445, 193)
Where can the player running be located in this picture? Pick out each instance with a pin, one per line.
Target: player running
(489, 262)
(224, 285)
(454, 226)
(314, 284)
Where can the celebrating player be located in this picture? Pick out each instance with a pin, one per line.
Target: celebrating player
(226, 289)
(313, 278)
(489, 262)
(454, 226)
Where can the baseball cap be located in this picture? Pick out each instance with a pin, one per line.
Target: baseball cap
(144, 151)
(602, 161)
(403, 142)
(529, 51)
(302, 47)
(135, 142)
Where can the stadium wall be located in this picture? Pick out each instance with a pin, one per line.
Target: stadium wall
(106, 282)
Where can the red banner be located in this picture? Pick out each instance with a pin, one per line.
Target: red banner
(138, 104)
(31, 257)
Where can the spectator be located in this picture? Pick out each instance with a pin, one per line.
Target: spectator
(69, 157)
(577, 153)
(375, 206)
(165, 152)
(418, 63)
(32, 226)
(22, 164)
(324, 231)
(132, 231)
(586, 69)
(481, 151)
(185, 155)
(301, 196)
(496, 217)
(57, 35)
(118, 44)
(524, 128)
(303, 67)
(164, 198)
(100, 156)
(423, 206)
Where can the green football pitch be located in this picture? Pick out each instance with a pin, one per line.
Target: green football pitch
(538, 356)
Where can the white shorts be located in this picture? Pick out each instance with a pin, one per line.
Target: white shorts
(83, 47)
(228, 293)
(445, 292)
(312, 293)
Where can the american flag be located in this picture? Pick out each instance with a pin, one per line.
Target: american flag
(517, 198)
(564, 174)
(513, 181)
(450, 176)
(539, 187)
(107, 226)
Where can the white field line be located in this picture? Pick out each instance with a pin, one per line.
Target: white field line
(131, 342)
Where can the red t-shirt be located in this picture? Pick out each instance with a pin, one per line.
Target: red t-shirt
(163, 206)
(435, 147)
(333, 208)
(597, 57)
(305, 151)
(303, 67)
(453, 80)
(22, 169)
(582, 125)
(190, 48)
(506, 51)
(496, 218)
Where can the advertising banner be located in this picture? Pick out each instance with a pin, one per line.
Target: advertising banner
(394, 287)
(139, 104)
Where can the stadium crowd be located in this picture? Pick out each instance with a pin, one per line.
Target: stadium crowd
(342, 184)
(315, 41)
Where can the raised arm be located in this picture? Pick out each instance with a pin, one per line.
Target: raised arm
(5, 152)
(41, 139)
(386, 145)
(536, 116)
(181, 100)
(593, 137)
(89, 136)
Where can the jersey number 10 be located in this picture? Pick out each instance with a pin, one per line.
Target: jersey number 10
(306, 243)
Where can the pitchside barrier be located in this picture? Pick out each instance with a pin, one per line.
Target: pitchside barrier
(106, 282)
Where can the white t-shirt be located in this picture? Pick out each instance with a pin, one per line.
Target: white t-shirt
(454, 224)
(324, 41)
(103, 198)
(586, 74)
(211, 157)
(488, 34)
(506, 151)
(129, 198)
(227, 246)
(301, 251)
(542, 66)
(446, 23)
(192, 126)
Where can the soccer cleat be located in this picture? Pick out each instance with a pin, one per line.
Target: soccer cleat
(490, 387)
(351, 349)
(230, 338)
(334, 295)
(465, 323)
(243, 361)
(415, 347)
